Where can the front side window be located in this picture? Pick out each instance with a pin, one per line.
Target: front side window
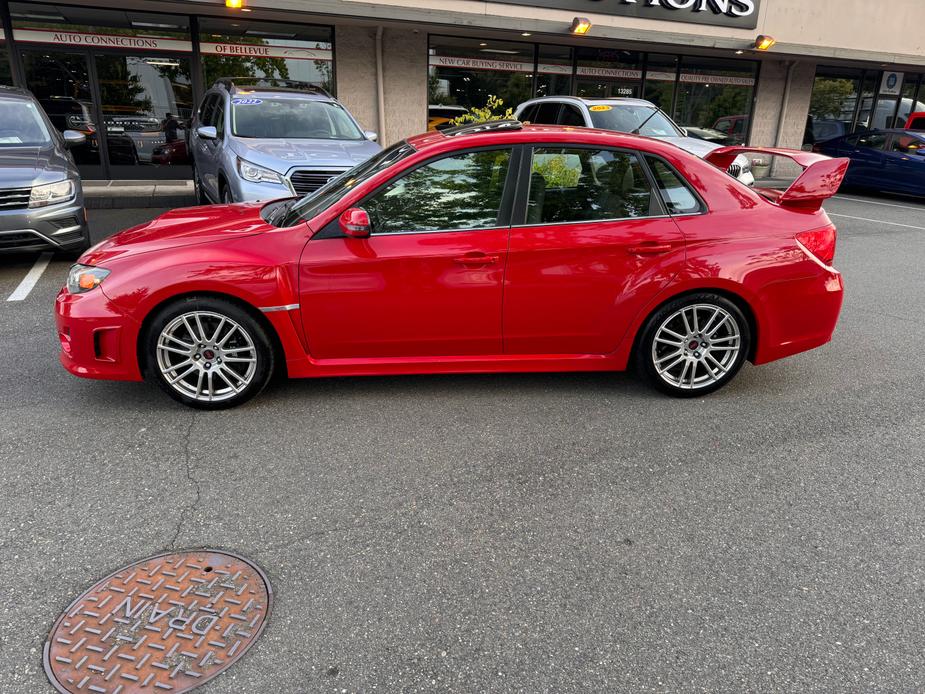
(677, 196)
(642, 120)
(907, 144)
(459, 192)
(21, 125)
(585, 185)
(548, 113)
(291, 119)
(571, 116)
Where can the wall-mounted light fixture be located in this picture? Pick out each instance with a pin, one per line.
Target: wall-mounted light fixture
(580, 26)
(234, 4)
(765, 43)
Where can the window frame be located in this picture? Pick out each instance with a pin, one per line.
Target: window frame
(507, 193)
(522, 196)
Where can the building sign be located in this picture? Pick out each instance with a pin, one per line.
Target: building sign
(583, 71)
(255, 50)
(77, 38)
(738, 14)
(892, 84)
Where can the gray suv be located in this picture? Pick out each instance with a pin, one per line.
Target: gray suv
(41, 199)
(267, 139)
(624, 115)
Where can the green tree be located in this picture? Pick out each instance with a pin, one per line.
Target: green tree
(489, 112)
(830, 97)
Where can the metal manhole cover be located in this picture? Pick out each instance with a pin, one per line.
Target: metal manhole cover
(164, 624)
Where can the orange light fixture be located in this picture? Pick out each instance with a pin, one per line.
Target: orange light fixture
(765, 43)
(580, 26)
(234, 4)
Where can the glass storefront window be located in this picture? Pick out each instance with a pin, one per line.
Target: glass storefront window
(6, 74)
(909, 103)
(604, 72)
(554, 73)
(464, 72)
(303, 52)
(147, 105)
(661, 77)
(715, 96)
(832, 105)
(867, 112)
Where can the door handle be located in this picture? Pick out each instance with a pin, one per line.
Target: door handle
(650, 249)
(476, 258)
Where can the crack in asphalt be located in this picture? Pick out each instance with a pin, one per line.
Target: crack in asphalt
(193, 481)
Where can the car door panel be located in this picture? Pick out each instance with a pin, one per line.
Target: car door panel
(574, 287)
(408, 292)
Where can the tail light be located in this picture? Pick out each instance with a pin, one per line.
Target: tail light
(819, 243)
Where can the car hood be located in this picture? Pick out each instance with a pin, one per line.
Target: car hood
(183, 227)
(22, 167)
(693, 145)
(283, 155)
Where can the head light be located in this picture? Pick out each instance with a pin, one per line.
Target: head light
(257, 174)
(83, 278)
(51, 193)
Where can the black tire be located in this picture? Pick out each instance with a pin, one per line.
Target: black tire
(227, 197)
(713, 358)
(251, 341)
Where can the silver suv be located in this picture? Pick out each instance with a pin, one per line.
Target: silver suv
(266, 139)
(624, 115)
(41, 199)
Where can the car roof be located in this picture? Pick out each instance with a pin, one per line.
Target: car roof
(15, 92)
(591, 101)
(437, 141)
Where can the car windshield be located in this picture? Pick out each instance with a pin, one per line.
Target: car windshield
(651, 121)
(315, 203)
(277, 118)
(21, 125)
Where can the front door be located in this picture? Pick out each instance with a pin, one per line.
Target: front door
(428, 281)
(591, 252)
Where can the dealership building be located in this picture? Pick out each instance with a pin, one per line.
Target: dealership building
(132, 77)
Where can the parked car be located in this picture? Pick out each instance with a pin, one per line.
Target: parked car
(707, 134)
(735, 128)
(490, 247)
(41, 199)
(916, 121)
(887, 160)
(268, 139)
(623, 115)
(439, 116)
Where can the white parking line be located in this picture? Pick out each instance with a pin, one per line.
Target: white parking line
(876, 221)
(31, 278)
(875, 202)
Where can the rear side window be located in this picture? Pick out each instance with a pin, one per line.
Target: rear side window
(547, 114)
(917, 123)
(676, 193)
(571, 116)
(586, 185)
(529, 113)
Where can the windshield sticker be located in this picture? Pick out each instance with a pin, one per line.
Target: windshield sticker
(246, 102)
(601, 107)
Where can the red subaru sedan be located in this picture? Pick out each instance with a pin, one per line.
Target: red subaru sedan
(479, 249)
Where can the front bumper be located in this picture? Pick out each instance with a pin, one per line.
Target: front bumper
(56, 227)
(247, 191)
(97, 339)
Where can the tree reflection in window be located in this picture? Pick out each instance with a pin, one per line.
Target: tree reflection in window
(459, 192)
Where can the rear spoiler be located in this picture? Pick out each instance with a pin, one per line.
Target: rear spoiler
(819, 181)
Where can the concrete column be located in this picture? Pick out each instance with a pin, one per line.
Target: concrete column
(770, 101)
(404, 52)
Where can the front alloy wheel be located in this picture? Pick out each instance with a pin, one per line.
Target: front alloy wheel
(694, 345)
(209, 353)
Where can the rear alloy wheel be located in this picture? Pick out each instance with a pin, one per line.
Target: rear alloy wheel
(694, 345)
(208, 353)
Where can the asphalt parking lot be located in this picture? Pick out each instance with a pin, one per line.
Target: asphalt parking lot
(560, 533)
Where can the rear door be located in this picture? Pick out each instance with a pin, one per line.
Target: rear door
(905, 163)
(589, 248)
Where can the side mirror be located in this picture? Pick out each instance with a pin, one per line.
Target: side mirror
(207, 132)
(371, 135)
(355, 223)
(73, 138)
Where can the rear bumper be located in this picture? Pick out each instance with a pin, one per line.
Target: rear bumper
(799, 315)
(97, 340)
(57, 227)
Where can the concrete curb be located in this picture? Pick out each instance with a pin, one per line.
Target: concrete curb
(118, 195)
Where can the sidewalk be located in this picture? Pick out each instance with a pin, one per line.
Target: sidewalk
(107, 195)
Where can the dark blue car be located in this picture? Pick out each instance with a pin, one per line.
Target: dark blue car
(889, 160)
